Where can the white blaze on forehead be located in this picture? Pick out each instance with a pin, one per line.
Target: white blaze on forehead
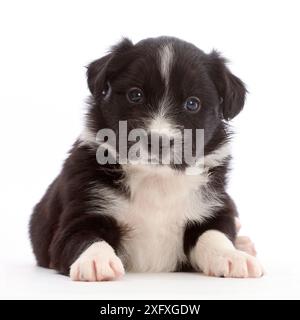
(166, 55)
(160, 123)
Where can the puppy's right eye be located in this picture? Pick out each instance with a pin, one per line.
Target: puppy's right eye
(192, 104)
(135, 95)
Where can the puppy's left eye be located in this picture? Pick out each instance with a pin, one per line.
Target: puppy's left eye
(135, 95)
(192, 104)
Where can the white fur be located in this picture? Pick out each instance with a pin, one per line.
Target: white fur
(161, 126)
(166, 54)
(218, 156)
(215, 255)
(161, 202)
(160, 122)
(97, 263)
(245, 244)
(215, 158)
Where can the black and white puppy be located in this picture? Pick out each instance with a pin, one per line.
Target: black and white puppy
(97, 220)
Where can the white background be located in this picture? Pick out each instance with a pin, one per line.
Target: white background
(44, 46)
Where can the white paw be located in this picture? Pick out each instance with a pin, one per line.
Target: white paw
(230, 263)
(215, 255)
(97, 263)
(245, 244)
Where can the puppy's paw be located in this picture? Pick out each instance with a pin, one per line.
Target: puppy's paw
(230, 263)
(245, 244)
(97, 263)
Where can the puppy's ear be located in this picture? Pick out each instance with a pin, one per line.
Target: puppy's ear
(99, 71)
(231, 89)
(96, 74)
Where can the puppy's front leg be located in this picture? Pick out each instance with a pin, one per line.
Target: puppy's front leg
(215, 255)
(84, 249)
(209, 246)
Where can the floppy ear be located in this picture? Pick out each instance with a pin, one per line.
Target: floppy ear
(231, 89)
(98, 72)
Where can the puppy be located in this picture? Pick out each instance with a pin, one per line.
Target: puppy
(99, 218)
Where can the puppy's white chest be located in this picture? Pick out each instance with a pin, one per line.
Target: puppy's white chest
(159, 207)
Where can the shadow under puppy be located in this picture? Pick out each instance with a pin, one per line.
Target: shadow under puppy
(97, 220)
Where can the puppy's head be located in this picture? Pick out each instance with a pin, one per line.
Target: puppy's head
(163, 85)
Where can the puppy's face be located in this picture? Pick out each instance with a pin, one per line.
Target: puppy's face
(163, 85)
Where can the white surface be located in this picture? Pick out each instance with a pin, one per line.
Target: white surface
(24, 281)
(44, 48)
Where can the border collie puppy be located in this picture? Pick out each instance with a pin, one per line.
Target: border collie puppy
(98, 219)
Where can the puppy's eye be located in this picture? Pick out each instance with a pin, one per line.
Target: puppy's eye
(192, 104)
(135, 95)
